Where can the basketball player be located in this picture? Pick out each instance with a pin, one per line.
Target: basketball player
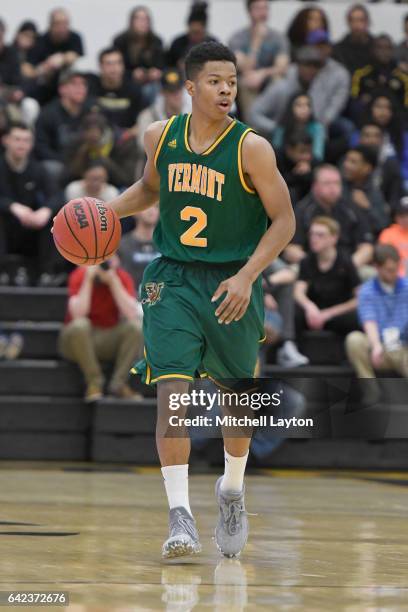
(217, 184)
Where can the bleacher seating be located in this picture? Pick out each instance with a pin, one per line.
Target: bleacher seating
(42, 415)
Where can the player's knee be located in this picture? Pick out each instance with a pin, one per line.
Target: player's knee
(169, 395)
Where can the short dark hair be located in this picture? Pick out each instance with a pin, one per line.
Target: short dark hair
(249, 2)
(100, 162)
(205, 52)
(296, 137)
(108, 51)
(369, 154)
(383, 252)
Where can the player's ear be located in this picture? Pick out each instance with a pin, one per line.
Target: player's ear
(190, 87)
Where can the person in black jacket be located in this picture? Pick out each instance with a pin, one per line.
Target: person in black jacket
(326, 198)
(142, 51)
(53, 53)
(118, 97)
(387, 175)
(296, 163)
(27, 201)
(59, 122)
(196, 33)
(355, 49)
(14, 105)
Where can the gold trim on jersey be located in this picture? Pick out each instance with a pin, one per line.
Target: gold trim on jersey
(214, 144)
(162, 138)
(240, 170)
(171, 376)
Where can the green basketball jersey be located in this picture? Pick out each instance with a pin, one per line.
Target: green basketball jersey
(207, 211)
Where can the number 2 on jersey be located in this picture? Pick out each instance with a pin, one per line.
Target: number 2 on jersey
(190, 236)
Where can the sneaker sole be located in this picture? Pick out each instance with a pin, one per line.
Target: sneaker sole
(227, 555)
(180, 549)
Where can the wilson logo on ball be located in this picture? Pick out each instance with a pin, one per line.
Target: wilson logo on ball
(102, 216)
(81, 216)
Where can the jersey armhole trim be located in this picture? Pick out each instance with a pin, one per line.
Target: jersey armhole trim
(162, 139)
(240, 170)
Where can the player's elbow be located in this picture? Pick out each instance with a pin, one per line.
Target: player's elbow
(289, 222)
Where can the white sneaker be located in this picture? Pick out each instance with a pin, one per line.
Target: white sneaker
(288, 356)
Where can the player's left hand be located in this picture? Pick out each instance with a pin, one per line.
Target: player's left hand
(235, 304)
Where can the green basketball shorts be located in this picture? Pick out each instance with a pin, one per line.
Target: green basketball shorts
(183, 339)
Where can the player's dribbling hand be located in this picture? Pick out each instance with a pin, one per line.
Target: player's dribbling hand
(235, 304)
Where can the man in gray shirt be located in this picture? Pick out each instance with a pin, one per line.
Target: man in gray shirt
(326, 81)
(262, 53)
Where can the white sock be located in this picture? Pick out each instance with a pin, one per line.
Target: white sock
(234, 470)
(176, 484)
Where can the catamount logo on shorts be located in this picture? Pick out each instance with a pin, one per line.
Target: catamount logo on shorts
(153, 291)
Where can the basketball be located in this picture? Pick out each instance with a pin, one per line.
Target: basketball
(86, 231)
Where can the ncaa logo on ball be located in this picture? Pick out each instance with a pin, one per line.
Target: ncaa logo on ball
(102, 216)
(80, 216)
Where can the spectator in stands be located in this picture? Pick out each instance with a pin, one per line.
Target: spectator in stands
(326, 288)
(325, 81)
(102, 323)
(119, 98)
(97, 140)
(279, 305)
(381, 74)
(307, 20)
(383, 312)
(196, 33)
(16, 107)
(59, 122)
(339, 125)
(26, 202)
(262, 53)
(24, 41)
(171, 100)
(355, 50)
(137, 248)
(296, 163)
(9, 66)
(387, 175)
(94, 184)
(397, 235)
(142, 51)
(384, 112)
(54, 52)
(358, 170)
(326, 199)
(299, 114)
(401, 52)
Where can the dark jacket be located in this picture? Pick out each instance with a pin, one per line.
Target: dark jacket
(56, 129)
(32, 187)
